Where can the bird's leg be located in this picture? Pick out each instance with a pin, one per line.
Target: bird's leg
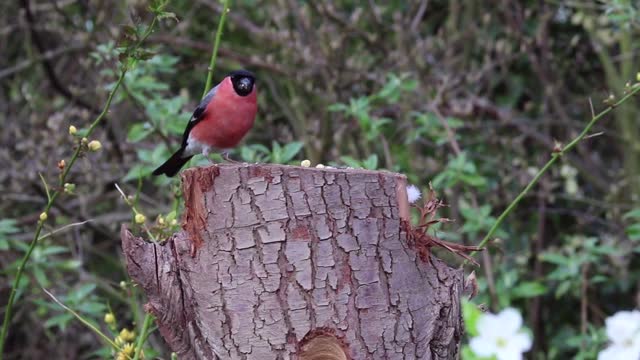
(205, 153)
(225, 156)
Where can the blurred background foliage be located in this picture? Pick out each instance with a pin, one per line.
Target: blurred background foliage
(470, 96)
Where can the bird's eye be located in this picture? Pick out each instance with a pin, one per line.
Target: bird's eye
(243, 86)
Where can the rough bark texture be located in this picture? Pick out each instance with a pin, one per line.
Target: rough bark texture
(271, 253)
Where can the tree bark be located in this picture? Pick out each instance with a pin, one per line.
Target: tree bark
(271, 255)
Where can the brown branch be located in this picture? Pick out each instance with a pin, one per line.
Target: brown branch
(178, 42)
(48, 55)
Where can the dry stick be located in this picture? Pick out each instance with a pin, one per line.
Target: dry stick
(554, 157)
(54, 196)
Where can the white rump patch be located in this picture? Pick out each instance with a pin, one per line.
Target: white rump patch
(195, 147)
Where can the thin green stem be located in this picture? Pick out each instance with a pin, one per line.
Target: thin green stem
(216, 44)
(54, 196)
(86, 322)
(554, 157)
(148, 318)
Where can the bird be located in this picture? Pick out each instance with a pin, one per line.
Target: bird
(223, 117)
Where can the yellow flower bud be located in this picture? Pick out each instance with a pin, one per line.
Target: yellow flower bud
(305, 163)
(638, 77)
(123, 284)
(128, 349)
(109, 318)
(127, 335)
(160, 220)
(72, 130)
(119, 341)
(43, 216)
(122, 356)
(320, 166)
(94, 145)
(174, 222)
(140, 218)
(84, 141)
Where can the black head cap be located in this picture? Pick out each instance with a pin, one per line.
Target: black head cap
(243, 81)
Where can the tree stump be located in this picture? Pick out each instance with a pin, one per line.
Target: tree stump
(272, 258)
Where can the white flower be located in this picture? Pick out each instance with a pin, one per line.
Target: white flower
(623, 331)
(501, 335)
(413, 193)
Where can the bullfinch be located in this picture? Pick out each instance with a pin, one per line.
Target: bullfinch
(221, 120)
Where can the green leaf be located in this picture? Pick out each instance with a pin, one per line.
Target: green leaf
(8, 226)
(70, 264)
(351, 162)
(92, 307)
(471, 314)
(247, 153)
(276, 153)
(371, 163)
(633, 214)
(529, 289)
(82, 291)
(554, 258)
(137, 171)
(290, 151)
(54, 250)
(596, 279)
(61, 321)
(171, 216)
(138, 132)
(605, 249)
(338, 107)
(633, 232)
(40, 276)
(563, 288)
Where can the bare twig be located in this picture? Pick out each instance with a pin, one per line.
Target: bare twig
(47, 55)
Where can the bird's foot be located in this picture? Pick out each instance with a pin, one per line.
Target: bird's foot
(225, 156)
(205, 153)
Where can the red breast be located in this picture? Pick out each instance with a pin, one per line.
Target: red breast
(227, 118)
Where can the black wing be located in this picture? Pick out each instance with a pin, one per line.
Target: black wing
(198, 115)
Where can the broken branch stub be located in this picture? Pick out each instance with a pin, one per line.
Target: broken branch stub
(272, 257)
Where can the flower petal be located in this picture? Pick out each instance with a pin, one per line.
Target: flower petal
(615, 352)
(483, 346)
(489, 327)
(521, 341)
(510, 321)
(622, 326)
(509, 354)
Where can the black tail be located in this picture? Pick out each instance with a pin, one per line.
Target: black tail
(173, 165)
